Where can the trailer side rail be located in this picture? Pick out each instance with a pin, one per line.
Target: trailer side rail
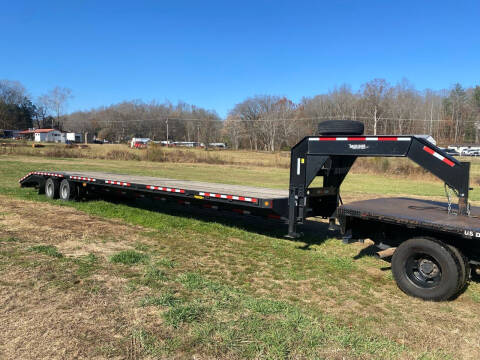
(276, 207)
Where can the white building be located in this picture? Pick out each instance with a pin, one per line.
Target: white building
(49, 135)
(75, 137)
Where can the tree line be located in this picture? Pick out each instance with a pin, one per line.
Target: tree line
(18, 111)
(271, 122)
(261, 122)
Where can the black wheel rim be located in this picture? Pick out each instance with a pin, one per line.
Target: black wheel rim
(423, 270)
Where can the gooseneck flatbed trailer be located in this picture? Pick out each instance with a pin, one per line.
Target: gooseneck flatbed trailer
(432, 245)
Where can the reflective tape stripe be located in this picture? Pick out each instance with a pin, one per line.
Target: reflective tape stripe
(114, 182)
(438, 156)
(229, 197)
(82, 178)
(26, 176)
(361, 138)
(43, 173)
(159, 188)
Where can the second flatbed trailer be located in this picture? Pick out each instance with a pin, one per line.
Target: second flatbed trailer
(432, 245)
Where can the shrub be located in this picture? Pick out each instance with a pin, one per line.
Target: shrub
(121, 155)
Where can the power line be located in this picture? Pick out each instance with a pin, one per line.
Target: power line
(316, 118)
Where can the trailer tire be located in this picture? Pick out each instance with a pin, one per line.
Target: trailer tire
(464, 267)
(428, 269)
(340, 127)
(67, 190)
(52, 188)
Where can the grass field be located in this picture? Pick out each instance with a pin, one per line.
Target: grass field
(97, 279)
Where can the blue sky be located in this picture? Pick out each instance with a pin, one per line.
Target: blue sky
(214, 54)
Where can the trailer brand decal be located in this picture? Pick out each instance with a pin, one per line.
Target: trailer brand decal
(229, 197)
(361, 138)
(121, 183)
(471, 233)
(82, 178)
(358, 146)
(438, 156)
(160, 188)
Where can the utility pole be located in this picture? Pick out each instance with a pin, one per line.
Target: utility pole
(431, 119)
(166, 122)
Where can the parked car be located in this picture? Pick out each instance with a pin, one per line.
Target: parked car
(451, 152)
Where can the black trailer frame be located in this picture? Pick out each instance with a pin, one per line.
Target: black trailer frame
(326, 156)
(425, 234)
(333, 156)
(242, 200)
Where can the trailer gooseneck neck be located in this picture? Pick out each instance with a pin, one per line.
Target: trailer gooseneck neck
(333, 156)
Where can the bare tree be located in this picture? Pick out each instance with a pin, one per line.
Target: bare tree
(233, 129)
(56, 101)
(374, 96)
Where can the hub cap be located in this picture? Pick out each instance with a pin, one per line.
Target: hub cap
(423, 270)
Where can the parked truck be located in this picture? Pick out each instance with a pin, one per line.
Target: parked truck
(433, 246)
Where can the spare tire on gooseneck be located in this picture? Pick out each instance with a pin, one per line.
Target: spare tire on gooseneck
(340, 127)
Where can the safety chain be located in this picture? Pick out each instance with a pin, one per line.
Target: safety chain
(449, 199)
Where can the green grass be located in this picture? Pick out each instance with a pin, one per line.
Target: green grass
(47, 250)
(87, 265)
(128, 257)
(180, 314)
(167, 299)
(10, 239)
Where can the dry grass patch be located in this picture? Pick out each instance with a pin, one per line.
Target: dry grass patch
(72, 232)
(67, 306)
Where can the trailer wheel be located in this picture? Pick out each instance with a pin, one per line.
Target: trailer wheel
(52, 188)
(67, 191)
(427, 269)
(464, 267)
(340, 127)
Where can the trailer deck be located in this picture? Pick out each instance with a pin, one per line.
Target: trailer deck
(263, 198)
(415, 213)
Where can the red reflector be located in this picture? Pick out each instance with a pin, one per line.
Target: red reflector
(427, 149)
(356, 138)
(387, 139)
(448, 162)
